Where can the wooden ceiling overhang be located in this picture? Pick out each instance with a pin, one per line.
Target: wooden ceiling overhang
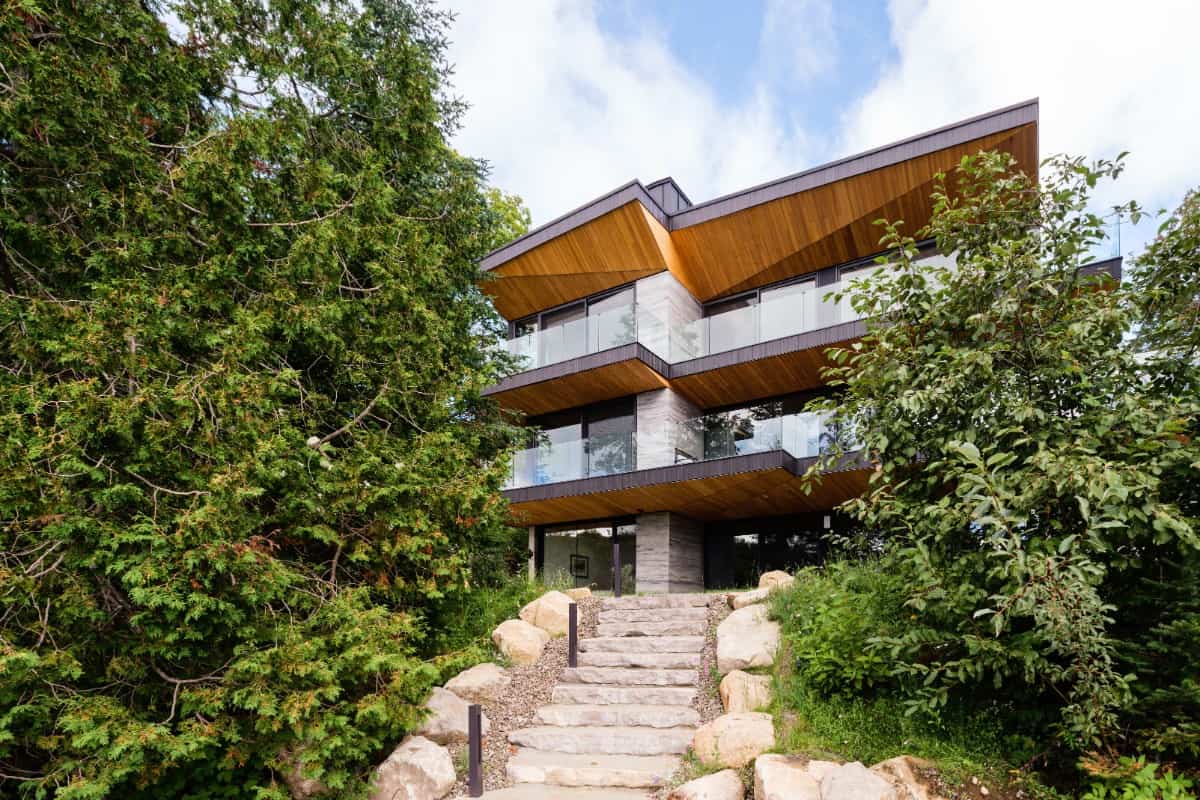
(762, 484)
(778, 230)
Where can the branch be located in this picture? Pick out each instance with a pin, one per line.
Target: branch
(297, 223)
(176, 492)
(315, 443)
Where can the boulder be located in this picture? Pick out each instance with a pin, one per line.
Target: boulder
(743, 599)
(520, 642)
(578, 594)
(548, 612)
(776, 579)
(482, 683)
(447, 721)
(299, 787)
(746, 638)
(734, 740)
(853, 781)
(416, 770)
(904, 774)
(741, 691)
(784, 778)
(723, 785)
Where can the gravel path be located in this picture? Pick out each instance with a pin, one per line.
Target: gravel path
(708, 698)
(530, 689)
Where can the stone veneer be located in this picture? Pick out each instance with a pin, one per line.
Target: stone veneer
(658, 416)
(670, 553)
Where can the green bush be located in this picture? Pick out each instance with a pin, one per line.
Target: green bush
(830, 617)
(1137, 779)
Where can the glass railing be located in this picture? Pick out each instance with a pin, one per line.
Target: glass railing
(756, 430)
(803, 310)
(579, 337)
(552, 462)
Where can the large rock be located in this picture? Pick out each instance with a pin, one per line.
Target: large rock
(743, 599)
(549, 612)
(447, 721)
(776, 579)
(741, 691)
(482, 683)
(734, 740)
(745, 639)
(299, 787)
(784, 778)
(416, 770)
(853, 781)
(723, 785)
(578, 594)
(520, 642)
(903, 772)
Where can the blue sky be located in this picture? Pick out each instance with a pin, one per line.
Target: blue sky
(571, 98)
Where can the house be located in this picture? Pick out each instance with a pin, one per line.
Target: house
(670, 352)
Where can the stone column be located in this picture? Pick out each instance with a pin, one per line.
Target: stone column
(670, 553)
(532, 554)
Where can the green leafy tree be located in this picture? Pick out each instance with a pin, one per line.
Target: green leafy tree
(1027, 468)
(244, 460)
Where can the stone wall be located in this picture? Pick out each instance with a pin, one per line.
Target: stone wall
(670, 553)
(663, 305)
(658, 415)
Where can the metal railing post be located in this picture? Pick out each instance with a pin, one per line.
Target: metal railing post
(616, 567)
(573, 635)
(475, 750)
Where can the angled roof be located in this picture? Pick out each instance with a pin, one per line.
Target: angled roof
(768, 232)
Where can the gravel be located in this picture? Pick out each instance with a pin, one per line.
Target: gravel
(530, 689)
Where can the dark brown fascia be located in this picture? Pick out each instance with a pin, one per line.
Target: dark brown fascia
(947, 136)
(678, 473)
(550, 372)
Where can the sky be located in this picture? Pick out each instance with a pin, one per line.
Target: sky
(570, 99)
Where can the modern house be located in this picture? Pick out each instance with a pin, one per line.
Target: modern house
(670, 350)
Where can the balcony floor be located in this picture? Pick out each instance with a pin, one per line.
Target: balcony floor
(758, 484)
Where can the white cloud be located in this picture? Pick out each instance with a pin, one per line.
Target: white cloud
(566, 112)
(1111, 76)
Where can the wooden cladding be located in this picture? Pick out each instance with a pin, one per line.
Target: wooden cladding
(780, 230)
(764, 484)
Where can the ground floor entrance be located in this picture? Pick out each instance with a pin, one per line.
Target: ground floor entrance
(665, 552)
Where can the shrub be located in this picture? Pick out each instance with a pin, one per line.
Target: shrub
(1138, 779)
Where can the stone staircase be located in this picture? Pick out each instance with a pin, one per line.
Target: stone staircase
(619, 722)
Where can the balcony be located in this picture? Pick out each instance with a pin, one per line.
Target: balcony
(711, 437)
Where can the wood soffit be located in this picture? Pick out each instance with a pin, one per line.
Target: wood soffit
(781, 229)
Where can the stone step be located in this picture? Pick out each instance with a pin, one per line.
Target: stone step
(593, 694)
(628, 676)
(653, 614)
(590, 769)
(642, 644)
(640, 660)
(606, 740)
(648, 716)
(682, 627)
(655, 601)
(541, 791)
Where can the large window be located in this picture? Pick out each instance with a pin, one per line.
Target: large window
(579, 443)
(736, 553)
(582, 554)
(587, 326)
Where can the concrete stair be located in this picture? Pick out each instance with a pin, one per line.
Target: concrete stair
(537, 791)
(605, 739)
(591, 658)
(581, 714)
(571, 769)
(629, 676)
(618, 722)
(671, 627)
(641, 644)
(654, 614)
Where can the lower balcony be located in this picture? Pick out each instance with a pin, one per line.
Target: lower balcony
(720, 466)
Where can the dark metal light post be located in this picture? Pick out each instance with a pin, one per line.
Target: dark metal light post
(475, 750)
(616, 567)
(573, 635)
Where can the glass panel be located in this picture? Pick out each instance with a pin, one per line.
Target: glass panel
(788, 310)
(583, 556)
(732, 324)
(611, 453)
(563, 335)
(611, 321)
(845, 309)
(758, 429)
